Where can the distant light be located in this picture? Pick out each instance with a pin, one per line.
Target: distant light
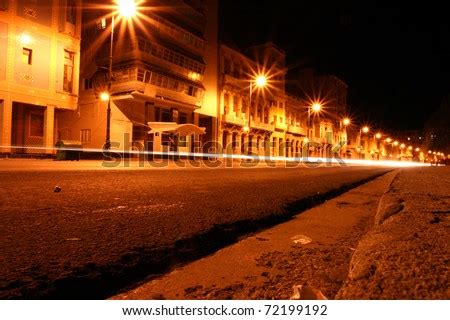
(409, 139)
(388, 140)
(346, 121)
(365, 129)
(417, 149)
(305, 140)
(104, 96)
(127, 8)
(410, 148)
(378, 135)
(396, 143)
(246, 129)
(402, 146)
(429, 151)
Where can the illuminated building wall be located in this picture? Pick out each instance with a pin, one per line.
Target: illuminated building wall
(164, 71)
(39, 63)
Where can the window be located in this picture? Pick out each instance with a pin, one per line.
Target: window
(3, 5)
(27, 56)
(191, 91)
(157, 114)
(166, 116)
(182, 118)
(68, 71)
(85, 135)
(36, 125)
(182, 142)
(71, 12)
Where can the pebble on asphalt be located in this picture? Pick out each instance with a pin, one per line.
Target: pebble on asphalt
(57, 189)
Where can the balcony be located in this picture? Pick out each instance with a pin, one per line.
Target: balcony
(254, 124)
(171, 95)
(235, 82)
(297, 130)
(233, 119)
(280, 126)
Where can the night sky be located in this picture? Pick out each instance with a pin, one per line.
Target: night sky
(395, 57)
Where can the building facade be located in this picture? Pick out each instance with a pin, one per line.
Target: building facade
(326, 133)
(163, 94)
(39, 63)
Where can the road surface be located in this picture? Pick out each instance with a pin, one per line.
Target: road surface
(109, 229)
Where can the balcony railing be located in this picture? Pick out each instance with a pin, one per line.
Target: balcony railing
(280, 126)
(261, 125)
(167, 94)
(297, 130)
(233, 119)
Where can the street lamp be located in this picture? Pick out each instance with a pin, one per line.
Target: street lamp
(260, 82)
(126, 9)
(346, 122)
(315, 108)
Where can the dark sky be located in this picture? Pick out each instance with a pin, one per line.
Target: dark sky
(394, 56)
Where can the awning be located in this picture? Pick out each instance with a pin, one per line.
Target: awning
(171, 127)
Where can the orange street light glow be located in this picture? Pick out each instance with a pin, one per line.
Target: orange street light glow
(261, 81)
(365, 129)
(316, 107)
(104, 96)
(346, 121)
(402, 146)
(127, 8)
(388, 140)
(378, 135)
(417, 149)
(396, 143)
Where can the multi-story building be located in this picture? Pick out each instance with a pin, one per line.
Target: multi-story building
(257, 120)
(326, 131)
(163, 94)
(39, 63)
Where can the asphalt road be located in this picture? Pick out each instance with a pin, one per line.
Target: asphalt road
(109, 229)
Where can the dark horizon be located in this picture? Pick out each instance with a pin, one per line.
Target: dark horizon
(395, 60)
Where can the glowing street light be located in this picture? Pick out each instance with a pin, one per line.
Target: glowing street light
(410, 148)
(417, 149)
(402, 146)
(104, 96)
(261, 81)
(388, 140)
(378, 136)
(126, 8)
(396, 143)
(316, 107)
(346, 121)
(365, 129)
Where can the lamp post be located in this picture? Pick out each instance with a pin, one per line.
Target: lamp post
(260, 81)
(126, 9)
(316, 107)
(346, 122)
(364, 130)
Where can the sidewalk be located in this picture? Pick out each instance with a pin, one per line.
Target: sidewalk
(407, 254)
(406, 257)
(268, 264)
